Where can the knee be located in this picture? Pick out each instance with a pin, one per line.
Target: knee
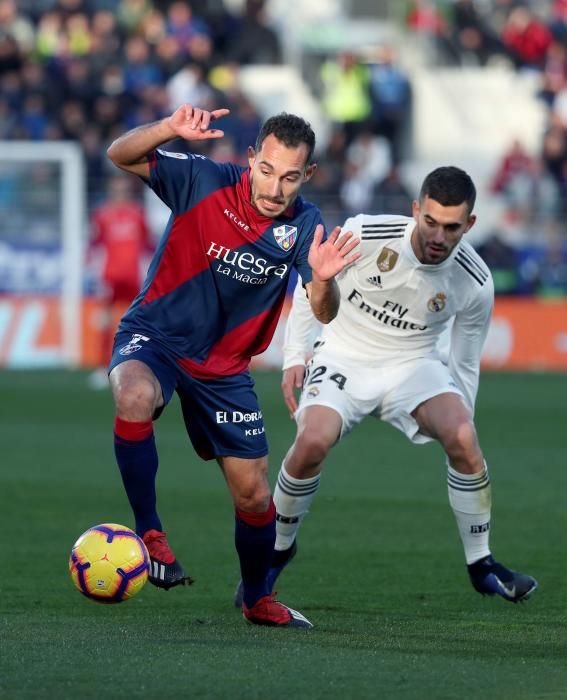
(461, 444)
(311, 446)
(254, 498)
(135, 400)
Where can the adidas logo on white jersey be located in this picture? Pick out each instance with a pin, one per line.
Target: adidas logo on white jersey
(375, 280)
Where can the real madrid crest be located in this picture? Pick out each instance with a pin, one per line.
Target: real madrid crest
(285, 236)
(437, 303)
(387, 259)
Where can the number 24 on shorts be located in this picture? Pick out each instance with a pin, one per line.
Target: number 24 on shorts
(317, 375)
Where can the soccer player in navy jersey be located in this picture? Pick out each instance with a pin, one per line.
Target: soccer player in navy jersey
(211, 300)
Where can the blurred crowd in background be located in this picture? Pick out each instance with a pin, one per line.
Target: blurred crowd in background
(527, 36)
(88, 70)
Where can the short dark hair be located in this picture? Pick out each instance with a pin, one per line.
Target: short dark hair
(450, 186)
(291, 130)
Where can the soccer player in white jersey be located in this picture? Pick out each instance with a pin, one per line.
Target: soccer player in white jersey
(416, 283)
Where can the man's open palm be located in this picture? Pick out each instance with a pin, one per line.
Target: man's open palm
(328, 258)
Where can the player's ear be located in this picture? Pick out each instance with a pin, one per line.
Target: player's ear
(470, 222)
(415, 209)
(309, 171)
(251, 156)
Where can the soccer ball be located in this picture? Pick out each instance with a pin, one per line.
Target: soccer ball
(109, 563)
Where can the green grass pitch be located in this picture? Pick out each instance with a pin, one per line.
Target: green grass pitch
(380, 569)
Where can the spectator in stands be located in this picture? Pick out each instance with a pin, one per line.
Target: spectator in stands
(107, 115)
(153, 28)
(190, 86)
(131, 14)
(10, 55)
(424, 16)
(476, 40)
(11, 91)
(516, 161)
(368, 160)
(346, 98)
(8, 120)
(254, 41)
(184, 26)
(552, 274)
(558, 24)
(77, 35)
(561, 182)
(355, 191)
(36, 80)
(96, 165)
(78, 83)
(529, 192)
(392, 195)
(139, 68)
(105, 39)
(541, 198)
(526, 37)
(242, 125)
(334, 158)
(371, 157)
(554, 150)
(554, 73)
(558, 111)
(73, 119)
(328, 179)
(17, 26)
(49, 36)
(502, 259)
(33, 117)
(390, 94)
(425, 19)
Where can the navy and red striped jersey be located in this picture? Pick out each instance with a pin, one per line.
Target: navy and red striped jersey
(217, 282)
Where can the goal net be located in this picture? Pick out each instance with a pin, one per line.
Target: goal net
(42, 238)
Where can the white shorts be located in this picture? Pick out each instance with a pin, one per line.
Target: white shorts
(389, 393)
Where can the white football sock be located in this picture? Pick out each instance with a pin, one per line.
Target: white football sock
(292, 498)
(470, 499)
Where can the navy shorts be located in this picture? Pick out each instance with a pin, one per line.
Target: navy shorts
(222, 416)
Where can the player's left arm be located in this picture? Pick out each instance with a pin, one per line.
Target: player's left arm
(297, 346)
(328, 258)
(467, 339)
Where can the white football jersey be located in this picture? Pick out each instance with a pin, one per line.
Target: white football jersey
(395, 309)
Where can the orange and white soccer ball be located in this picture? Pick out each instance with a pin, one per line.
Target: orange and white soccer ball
(109, 563)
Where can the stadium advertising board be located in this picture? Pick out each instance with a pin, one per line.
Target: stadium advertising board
(525, 334)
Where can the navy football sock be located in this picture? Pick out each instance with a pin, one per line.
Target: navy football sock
(255, 536)
(136, 454)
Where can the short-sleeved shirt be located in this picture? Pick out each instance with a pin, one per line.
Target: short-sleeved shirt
(216, 285)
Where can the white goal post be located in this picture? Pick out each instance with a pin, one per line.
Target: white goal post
(41, 248)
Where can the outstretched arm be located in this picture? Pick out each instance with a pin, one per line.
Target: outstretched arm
(130, 151)
(327, 259)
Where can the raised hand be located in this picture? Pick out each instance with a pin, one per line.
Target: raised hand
(328, 258)
(192, 123)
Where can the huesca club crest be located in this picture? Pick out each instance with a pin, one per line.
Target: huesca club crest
(285, 236)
